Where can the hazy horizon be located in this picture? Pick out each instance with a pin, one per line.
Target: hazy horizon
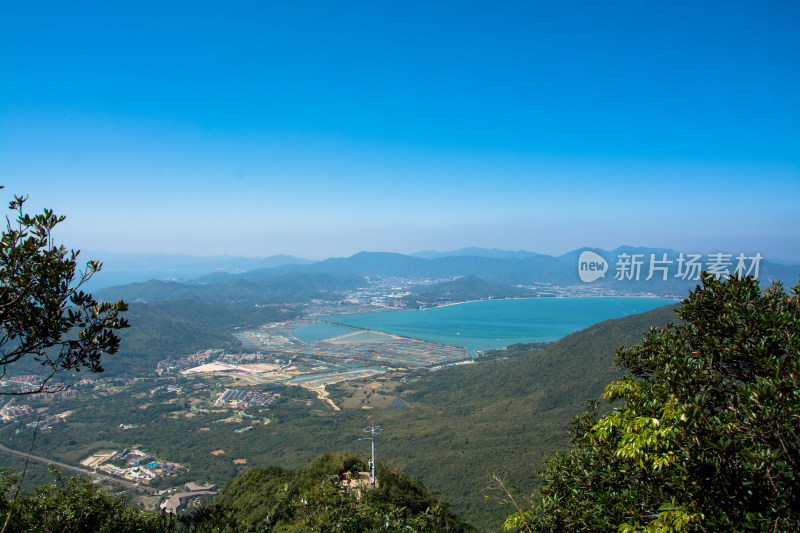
(89, 254)
(320, 130)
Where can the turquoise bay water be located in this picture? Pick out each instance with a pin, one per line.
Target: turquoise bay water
(492, 324)
(318, 331)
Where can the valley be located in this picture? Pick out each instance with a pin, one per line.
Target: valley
(282, 401)
(217, 377)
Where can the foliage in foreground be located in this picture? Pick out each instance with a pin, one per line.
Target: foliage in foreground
(44, 316)
(73, 505)
(708, 435)
(274, 499)
(261, 499)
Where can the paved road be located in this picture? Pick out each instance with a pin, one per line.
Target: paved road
(103, 477)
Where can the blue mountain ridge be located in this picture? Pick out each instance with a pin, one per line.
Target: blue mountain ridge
(509, 271)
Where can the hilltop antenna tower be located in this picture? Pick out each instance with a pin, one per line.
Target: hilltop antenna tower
(372, 430)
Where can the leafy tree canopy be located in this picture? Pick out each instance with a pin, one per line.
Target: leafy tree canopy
(73, 505)
(314, 499)
(44, 316)
(261, 499)
(707, 436)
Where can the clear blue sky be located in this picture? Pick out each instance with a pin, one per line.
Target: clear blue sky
(324, 128)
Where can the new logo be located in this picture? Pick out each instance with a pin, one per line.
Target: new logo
(591, 266)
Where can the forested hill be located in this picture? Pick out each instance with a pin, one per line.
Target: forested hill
(462, 290)
(503, 416)
(275, 288)
(582, 361)
(316, 498)
(178, 328)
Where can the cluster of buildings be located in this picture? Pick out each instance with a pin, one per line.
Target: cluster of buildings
(382, 293)
(30, 384)
(170, 365)
(247, 358)
(133, 465)
(12, 410)
(50, 396)
(138, 474)
(47, 423)
(242, 399)
(193, 490)
(25, 380)
(169, 389)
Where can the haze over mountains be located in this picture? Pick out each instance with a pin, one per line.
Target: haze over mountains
(479, 252)
(120, 269)
(242, 278)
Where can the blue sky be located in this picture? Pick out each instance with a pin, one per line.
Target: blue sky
(322, 129)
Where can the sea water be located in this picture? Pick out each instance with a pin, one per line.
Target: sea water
(318, 331)
(490, 324)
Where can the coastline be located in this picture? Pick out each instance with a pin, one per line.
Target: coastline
(654, 296)
(392, 335)
(481, 328)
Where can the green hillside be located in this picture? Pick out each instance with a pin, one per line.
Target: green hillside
(169, 328)
(462, 290)
(326, 495)
(270, 288)
(468, 423)
(503, 416)
(318, 498)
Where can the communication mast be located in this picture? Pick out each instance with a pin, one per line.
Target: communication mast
(372, 430)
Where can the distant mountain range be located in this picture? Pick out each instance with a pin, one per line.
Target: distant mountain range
(278, 288)
(476, 252)
(516, 270)
(121, 269)
(496, 267)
